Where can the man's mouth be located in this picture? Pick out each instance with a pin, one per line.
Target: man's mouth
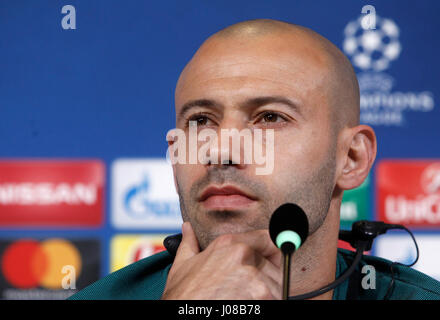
(227, 197)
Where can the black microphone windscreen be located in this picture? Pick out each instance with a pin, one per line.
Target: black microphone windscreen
(289, 216)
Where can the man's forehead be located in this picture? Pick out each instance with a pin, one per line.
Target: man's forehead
(273, 55)
(285, 51)
(269, 63)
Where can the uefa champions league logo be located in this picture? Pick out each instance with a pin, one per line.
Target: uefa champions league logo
(372, 49)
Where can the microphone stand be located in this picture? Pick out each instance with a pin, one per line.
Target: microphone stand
(287, 248)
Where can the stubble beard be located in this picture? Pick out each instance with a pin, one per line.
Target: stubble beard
(312, 193)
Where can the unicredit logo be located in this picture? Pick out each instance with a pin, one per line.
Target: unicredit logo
(424, 210)
(409, 192)
(430, 179)
(51, 193)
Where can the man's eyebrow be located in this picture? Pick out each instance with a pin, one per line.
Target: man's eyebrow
(261, 101)
(196, 103)
(252, 102)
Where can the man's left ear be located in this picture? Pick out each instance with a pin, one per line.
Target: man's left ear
(358, 157)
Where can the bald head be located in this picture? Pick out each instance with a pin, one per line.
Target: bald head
(277, 39)
(285, 80)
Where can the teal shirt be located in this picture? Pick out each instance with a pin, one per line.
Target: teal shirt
(146, 279)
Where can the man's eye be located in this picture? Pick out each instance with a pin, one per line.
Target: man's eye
(200, 119)
(268, 117)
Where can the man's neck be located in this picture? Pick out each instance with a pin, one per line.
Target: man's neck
(314, 265)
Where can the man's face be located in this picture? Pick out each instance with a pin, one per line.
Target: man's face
(267, 83)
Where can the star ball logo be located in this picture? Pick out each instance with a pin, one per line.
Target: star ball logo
(373, 50)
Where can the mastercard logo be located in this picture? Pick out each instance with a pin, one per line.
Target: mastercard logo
(27, 264)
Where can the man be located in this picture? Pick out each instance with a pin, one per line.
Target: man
(266, 74)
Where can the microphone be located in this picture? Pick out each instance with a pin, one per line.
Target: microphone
(288, 229)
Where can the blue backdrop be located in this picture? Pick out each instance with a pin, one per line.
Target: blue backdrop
(106, 89)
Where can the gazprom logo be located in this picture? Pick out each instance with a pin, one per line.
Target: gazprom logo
(143, 195)
(139, 204)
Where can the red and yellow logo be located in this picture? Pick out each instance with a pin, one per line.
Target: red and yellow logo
(28, 264)
(127, 249)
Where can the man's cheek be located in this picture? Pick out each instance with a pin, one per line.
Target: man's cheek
(286, 156)
(301, 151)
(183, 175)
(187, 175)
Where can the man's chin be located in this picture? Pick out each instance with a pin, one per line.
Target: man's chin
(206, 237)
(210, 224)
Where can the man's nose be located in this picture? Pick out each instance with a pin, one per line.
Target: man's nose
(230, 148)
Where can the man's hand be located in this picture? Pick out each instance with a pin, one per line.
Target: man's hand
(234, 266)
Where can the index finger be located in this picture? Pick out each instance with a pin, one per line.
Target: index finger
(258, 240)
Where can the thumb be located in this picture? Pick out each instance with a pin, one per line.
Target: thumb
(189, 245)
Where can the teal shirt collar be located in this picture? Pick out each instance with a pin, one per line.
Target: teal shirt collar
(340, 292)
